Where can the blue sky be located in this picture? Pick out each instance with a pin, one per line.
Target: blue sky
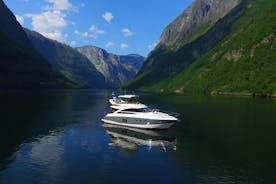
(119, 26)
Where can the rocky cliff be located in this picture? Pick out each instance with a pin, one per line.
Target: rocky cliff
(194, 21)
(116, 69)
(68, 61)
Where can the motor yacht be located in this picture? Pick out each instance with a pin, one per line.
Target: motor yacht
(138, 115)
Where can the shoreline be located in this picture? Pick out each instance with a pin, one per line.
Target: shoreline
(233, 94)
(253, 95)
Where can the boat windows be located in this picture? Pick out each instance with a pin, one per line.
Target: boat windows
(137, 110)
(146, 110)
(126, 112)
(118, 100)
(127, 100)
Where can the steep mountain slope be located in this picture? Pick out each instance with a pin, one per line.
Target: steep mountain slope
(243, 63)
(68, 61)
(116, 69)
(180, 43)
(195, 20)
(20, 65)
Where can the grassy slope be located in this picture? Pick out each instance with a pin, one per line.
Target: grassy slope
(244, 62)
(165, 61)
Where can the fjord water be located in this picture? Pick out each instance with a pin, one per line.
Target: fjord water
(58, 137)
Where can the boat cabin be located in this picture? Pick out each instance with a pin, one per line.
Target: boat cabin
(131, 108)
(128, 98)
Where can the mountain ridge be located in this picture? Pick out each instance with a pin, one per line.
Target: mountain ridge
(66, 60)
(199, 13)
(241, 62)
(20, 65)
(117, 69)
(164, 61)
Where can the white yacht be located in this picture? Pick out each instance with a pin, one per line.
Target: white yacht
(138, 115)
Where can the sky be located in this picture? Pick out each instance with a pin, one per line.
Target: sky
(118, 26)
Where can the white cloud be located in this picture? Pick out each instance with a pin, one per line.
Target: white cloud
(73, 43)
(126, 32)
(123, 45)
(95, 31)
(110, 45)
(92, 33)
(49, 23)
(152, 46)
(20, 19)
(108, 16)
(85, 34)
(77, 32)
(53, 20)
(59, 5)
(55, 35)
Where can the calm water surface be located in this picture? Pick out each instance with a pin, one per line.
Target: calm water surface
(58, 137)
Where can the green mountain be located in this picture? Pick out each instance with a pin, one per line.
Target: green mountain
(234, 55)
(21, 66)
(68, 61)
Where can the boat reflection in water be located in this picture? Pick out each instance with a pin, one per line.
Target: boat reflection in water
(132, 138)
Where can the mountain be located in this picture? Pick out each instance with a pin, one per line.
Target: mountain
(20, 65)
(68, 61)
(195, 21)
(235, 55)
(116, 69)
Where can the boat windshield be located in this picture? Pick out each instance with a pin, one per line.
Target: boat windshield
(146, 109)
(130, 100)
(138, 110)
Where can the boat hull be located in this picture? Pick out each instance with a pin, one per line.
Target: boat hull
(144, 124)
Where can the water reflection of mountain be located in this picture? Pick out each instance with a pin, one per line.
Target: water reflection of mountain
(132, 138)
(28, 115)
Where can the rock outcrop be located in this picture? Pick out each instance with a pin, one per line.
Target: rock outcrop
(116, 69)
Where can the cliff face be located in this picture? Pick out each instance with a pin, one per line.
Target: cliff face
(68, 61)
(201, 15)
(194, 22)
(116, 69)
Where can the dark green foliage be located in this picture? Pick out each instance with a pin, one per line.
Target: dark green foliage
(242, 61)
(165, 62)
